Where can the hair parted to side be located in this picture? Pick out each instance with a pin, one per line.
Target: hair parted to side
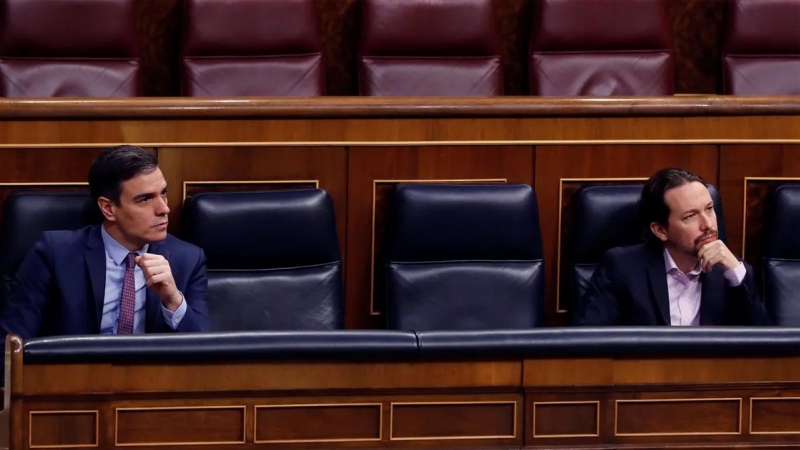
(115, 166)
(652, 206)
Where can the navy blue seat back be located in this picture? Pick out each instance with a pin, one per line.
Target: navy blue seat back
(273, 259)
(463, 257)
(782, 256)
(27, 215)
(604, 217)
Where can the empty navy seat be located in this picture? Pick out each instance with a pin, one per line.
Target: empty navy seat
(782, 256)
(27, 215)
(273, 259)
(463, 257)
(604, 217)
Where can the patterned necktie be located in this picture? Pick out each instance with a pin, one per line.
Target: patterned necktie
(127, 303)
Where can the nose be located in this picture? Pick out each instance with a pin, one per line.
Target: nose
(705, 222)
(162, 209)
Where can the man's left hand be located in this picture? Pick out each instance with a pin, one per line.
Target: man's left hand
(714, 253)
(159, 278)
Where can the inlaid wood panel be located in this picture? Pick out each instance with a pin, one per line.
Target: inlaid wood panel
(166, 425)
(259, 168)
(453, 420)
(317, 423)
(63, 429)
(618, 163)
(566, 419)
(372, 169)
(675, 417)
(766, 165)
(777, 415)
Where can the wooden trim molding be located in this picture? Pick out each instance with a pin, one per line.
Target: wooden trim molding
(370, 107)
(186, 184)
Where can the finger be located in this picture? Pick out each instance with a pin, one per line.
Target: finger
(154, 263)
(158, 278)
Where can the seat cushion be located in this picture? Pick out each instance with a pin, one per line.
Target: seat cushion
(465, 295)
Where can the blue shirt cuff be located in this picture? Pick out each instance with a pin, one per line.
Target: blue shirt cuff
(734, 276)
(173, 319)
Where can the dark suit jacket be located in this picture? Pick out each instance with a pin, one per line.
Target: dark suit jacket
(59, 287)
(629, 287)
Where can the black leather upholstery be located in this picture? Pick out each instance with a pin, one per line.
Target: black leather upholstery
(611, 342)
(202, 347)
(782, 256)
(273, 259)
(604, 217)
(464, 257)
(397, 345)
(27, 215)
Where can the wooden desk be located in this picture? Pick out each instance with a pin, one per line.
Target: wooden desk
(359, 149)
(511, 402)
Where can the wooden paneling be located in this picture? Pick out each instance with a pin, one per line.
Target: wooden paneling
(198, 425)
(318, 423)
(453, 420)
(620, 163)
(256, 168)
(567, 419)
(276, 376)
(370, 167)
(46, 165)
(63, 429)
(744, 202)
(775, 415)
(638, 371)
(674, 417)
(430, 404)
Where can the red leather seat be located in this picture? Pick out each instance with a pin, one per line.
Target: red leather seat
(76, 48)
(429, 47)
(250, 48)
(601, 48)
(761, 55)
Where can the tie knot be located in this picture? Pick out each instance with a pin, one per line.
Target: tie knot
(130, 260)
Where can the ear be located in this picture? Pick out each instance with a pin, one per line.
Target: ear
(107, 208)
(659, 230)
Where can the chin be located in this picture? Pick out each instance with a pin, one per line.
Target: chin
(157, 236)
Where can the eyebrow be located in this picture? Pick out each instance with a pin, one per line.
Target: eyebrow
(691, 211)
(146, 195)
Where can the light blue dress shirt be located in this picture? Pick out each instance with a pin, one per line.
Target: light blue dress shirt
(115, 274)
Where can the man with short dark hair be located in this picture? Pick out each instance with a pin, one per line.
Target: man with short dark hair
(683, 275)
(126, 276)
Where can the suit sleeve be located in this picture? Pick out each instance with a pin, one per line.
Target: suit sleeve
(744, 302)
(196, 317)
(601, 303)
(29, 295)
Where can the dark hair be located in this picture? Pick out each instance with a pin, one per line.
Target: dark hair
(116, 165)
(652, 206)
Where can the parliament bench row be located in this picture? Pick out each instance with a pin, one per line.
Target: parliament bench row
(459, 257)
(541, 388)
(88, 48)
(396, 345)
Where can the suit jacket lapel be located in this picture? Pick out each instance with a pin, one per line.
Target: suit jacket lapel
(712, 297)
(95, 257)
(657, 273)
(153, 301)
